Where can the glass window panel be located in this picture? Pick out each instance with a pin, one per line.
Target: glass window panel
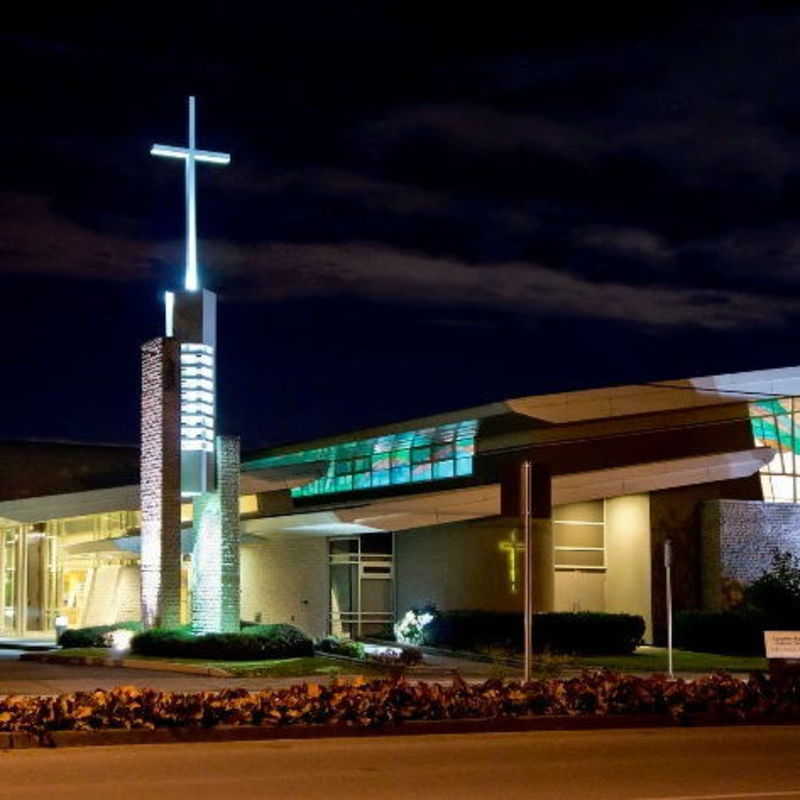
(442, 451)
(464, 466)
(361, 480)
(380, 462)
(380, 477)
(420, 454)
(361, 465)
(443, 469)
(465, 447)
(445, 433)
(425, 436)
(343, 467)
(401, 458)
(421, 472)
(401, 474)
(383, 445)
(344, 483)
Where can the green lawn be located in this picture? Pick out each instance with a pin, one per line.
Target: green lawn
(278, 668)
(654, 659)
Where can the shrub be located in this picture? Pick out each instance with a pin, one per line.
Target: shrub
(407, 657)
(771, 602)
(777, 592)
(738, 632)
(587, 633)
(256, 642)
(581, 633)
(390, 702)
(94, 636)
(340, 647)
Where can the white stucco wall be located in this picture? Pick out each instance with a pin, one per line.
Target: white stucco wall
(628, 557)
(113, 595)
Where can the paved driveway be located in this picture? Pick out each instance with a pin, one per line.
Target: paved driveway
(28, 677)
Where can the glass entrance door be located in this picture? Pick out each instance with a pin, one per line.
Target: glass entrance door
(362, 584)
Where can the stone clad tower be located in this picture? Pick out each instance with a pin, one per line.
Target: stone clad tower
(183, 460)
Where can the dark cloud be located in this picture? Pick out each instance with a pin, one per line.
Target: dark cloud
(612, 175)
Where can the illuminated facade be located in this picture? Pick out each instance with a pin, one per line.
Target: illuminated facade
(416, 456)
(345, 534)
(181, 453)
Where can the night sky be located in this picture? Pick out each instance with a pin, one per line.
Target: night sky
(428, 207)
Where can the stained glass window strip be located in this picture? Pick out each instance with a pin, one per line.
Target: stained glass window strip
(775, 424)
(429, 454)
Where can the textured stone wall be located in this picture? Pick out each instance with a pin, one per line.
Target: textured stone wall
(675, 514)
(215, 557)
(739, 539)
(285, 579)
(160, 484)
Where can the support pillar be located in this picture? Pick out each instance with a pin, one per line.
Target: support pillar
(160, 485)
(215, 555)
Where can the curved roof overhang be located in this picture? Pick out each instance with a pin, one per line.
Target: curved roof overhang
(476, 502)
(126, 498)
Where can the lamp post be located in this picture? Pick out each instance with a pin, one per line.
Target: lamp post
(668, 571)
(525, 519)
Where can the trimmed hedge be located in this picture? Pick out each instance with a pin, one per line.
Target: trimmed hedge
(254, 643)
(581, 633)
(93, 636)
(733, 632)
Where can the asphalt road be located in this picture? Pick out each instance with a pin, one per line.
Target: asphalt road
(669, 764)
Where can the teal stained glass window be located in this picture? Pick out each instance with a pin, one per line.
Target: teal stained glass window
(776, 424)
(446, 451)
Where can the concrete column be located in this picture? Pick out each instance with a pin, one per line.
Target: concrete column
(215, 556)
(160, 485)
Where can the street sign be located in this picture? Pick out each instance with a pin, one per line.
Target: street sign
(782, 644)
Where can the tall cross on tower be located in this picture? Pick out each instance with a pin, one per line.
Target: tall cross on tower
(190, 154)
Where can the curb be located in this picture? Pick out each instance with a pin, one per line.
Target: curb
(127, 663)
(248, 733)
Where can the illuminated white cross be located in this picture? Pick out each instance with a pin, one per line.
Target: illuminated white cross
(190, 154)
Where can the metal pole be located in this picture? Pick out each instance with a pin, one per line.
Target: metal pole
(525, 515)
(668, 569)
(191, 218)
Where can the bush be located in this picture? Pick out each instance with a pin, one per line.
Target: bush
(582, 633)
(94, 636)
(771, 602)
(389, 702)
(407, 657)
(254, 643)
(340, 647)
(587, 633)
(777, 592)
(738, 632)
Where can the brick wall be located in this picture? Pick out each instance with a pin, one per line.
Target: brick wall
(286, 580)
(160, 484)
(739, 539)
(675, 514)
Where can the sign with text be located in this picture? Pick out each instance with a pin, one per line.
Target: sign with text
(782, 644)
